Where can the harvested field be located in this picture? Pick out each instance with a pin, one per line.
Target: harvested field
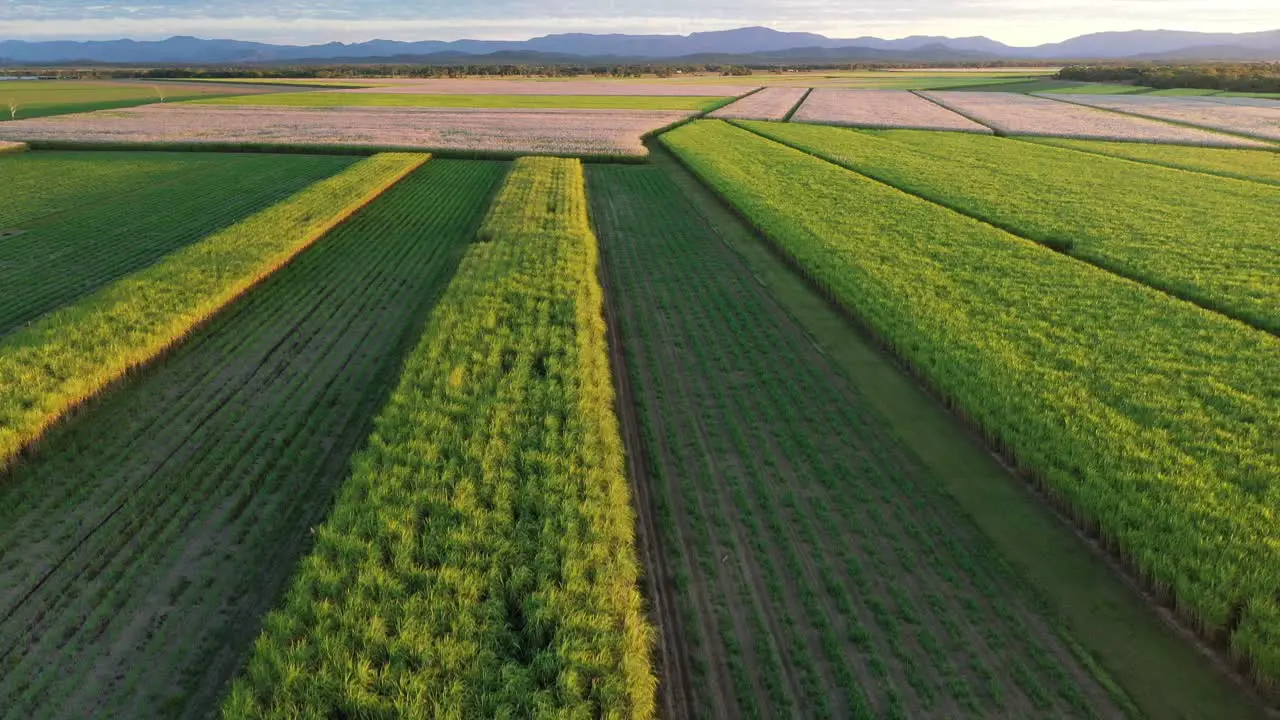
(881, 109)
(1240, 100)
(769, 104)
(589, 132)
(691, 103)
(472, 86)
(1014, 114)
(140, 549)
(1257, 121)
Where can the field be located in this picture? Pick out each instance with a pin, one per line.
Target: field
(515, 398)
(593, 133)
(593, 102)
(33, 99)
(884, 109)
(785, 511)
(767, 104)
(1193, 509)
(1260, 121)
(103, 217)
(1224, 258)
(140, 550)
(1255, 165)
(1016, 114)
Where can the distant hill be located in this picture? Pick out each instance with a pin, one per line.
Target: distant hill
(749, 44)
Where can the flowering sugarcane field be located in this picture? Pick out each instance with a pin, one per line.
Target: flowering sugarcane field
(899, 393)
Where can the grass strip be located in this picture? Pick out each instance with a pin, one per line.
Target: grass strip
(480, 561)
(577, 102)
(68, 356)
(1149, 420)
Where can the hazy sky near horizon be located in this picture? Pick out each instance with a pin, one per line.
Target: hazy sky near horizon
(1016, 22)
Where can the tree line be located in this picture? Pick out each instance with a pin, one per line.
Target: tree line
(1232, 77)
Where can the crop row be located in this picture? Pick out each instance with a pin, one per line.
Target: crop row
(60, 253)
(182, 502)
(1151, 420)
(804, 548)
(480, 561)
(1193, 235)
(69, 355)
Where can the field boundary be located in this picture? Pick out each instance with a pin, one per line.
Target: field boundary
(1210, 649)
(791, 113)
(675, 685)
(1064, 251)
(994, 130)
(686, 120)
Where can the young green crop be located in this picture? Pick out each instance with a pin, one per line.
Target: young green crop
(1195, 236)
(79, 221)
(237, 441)
(69, 355)
(1150, 419)
(480, 561)
(1240, 163)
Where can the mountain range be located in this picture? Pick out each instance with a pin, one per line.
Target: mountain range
(743, 44)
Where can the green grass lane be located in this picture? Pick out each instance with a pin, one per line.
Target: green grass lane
(71, 354)
(1195, 236)
(585, 102)
(77, 221)
(1150, 420)
(141, 547)
(44, 98)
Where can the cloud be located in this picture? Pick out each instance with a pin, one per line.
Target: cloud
(1014, 21)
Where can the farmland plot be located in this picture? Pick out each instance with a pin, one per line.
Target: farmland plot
(771, 103)
(1195, 236)
(1257, 165)
(67, 356)
(480, 562)
(478, 100)
(139, 550)
(478, 86)
(880, 109)
(530, 131)
(1015, 114)
(815, 569)
(1260, 122)
(35, 99)
(1151, 421)
(78, 221)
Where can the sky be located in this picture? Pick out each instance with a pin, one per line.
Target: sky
(1016, 22)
